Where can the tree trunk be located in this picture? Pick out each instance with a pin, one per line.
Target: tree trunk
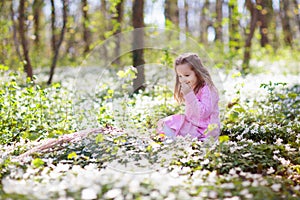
(118, 18)
(2, 5)
(204, 22)
(186, 12)
(254, 13)
(172, 12)
(37, 9)
(272, 24)
(85, 25)
(14, 29)
(234, 36)
(61, 38)
(218, 26)
(296, 5)
(262, 20)
(71, 42)
(53, 28)
(138, 43)
(103, 10)
(24, 42)
(285, 20)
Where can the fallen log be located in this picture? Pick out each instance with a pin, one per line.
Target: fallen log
(54, 142)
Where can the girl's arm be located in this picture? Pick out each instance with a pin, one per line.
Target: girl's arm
(198, 109)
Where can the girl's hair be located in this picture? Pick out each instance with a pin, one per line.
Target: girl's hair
(201, 72)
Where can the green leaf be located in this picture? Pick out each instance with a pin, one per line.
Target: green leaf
(121, 74)
(36, 163)
(292, 95)
(99, 138)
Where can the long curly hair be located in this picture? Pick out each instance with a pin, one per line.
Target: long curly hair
(201, 72)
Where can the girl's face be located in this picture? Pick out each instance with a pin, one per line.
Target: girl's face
(186, 75)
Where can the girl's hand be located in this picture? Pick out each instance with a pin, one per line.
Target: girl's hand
(185, 88)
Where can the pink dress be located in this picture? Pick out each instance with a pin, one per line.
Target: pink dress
(201, 119)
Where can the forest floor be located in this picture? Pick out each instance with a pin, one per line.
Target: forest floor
(126, 163)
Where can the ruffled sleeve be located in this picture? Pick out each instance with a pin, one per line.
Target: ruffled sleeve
(198, 107)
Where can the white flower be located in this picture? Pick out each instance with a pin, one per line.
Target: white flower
(249, 196)
(183, 195)
(88, 193)
(212, 194)
(270, 170)
(288, 148)
(212, 177)
(244, 192)
(246, 155)
(227, 194)
(233, 198)
(185, 170)
(255, 183)
(239, 137)
(232, 149)
(171, 196)
(111, 194)
(227, 186)
(134, 186)
(205, 162)
(276, 187)
(284, 162)
(263, 183)
(155, 195)
(246, 183)
(232, 171)
(62, 167)
(279, 141)
(276, 151)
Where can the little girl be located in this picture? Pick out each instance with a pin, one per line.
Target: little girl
(196, 89)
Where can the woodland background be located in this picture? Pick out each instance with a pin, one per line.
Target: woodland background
(83, 84)
(66, 31)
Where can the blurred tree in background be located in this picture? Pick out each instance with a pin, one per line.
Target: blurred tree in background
(31, 29)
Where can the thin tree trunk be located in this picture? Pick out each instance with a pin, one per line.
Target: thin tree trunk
(37, 9)
(3, 16)
(296, 5)
(186, 12)
(218, 27)
(253, 11)
(2, 5)
(138, 43)
(118, 18)
(24, 42)
(263, 21)
(275, 33)
(53, 28)
(105, 27)
(61, 38)
(172, 11)
(14, 29)
(204, 22)
(234, 41)
(285, 20)
(271, 20)
(71, 42)
(85, 25)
